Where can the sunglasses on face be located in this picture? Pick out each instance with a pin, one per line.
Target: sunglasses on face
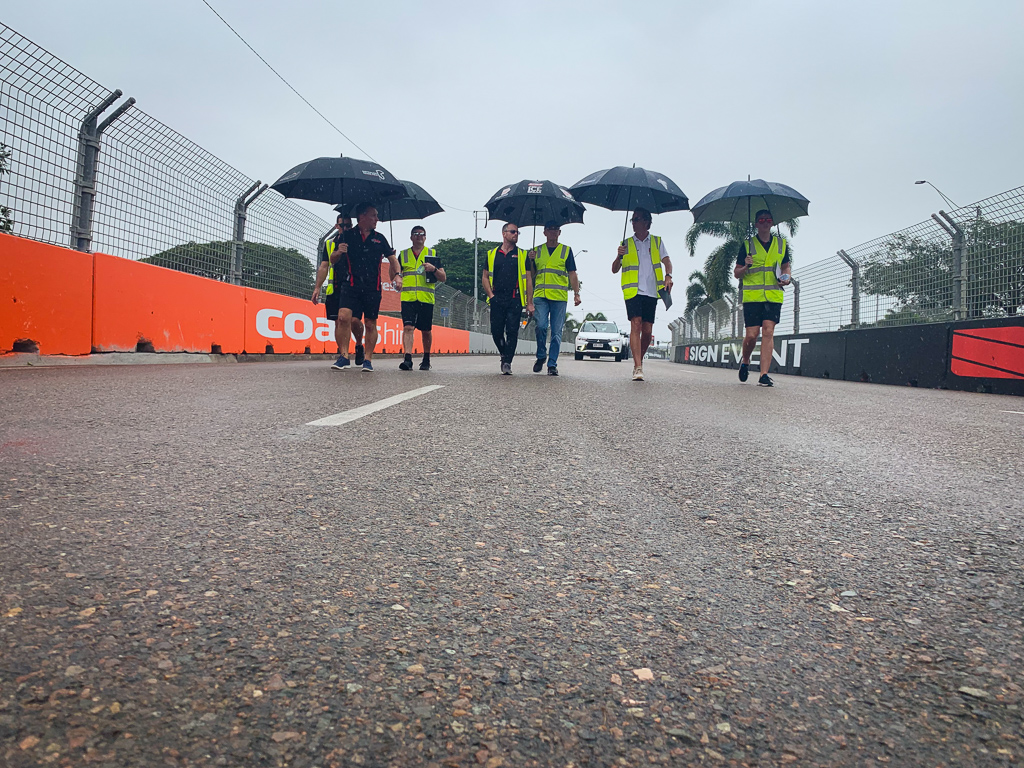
(419, 234)
(765, 220)
(512, 231)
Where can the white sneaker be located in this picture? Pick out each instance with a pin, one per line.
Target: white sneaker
(638, 373)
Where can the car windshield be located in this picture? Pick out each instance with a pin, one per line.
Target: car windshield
(594, 327)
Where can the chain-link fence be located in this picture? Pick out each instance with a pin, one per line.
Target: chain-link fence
(87, 174)
(963, 264)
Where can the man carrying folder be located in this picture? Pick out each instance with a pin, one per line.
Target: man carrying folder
(646, 275)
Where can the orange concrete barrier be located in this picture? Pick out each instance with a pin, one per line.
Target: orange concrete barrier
(284, 324)
(45, 298)
(138, 305)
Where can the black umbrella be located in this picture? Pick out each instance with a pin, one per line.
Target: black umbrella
(418, 204)
(340, 181)
(624, 189)
(532, 203)
(738, 201)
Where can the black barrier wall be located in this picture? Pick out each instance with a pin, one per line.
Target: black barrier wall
(973, 355)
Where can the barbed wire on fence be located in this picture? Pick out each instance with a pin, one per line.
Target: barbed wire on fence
(958, 265)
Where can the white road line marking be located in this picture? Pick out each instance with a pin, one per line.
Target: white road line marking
(1019, 413)
(695, 373)
(365, 410)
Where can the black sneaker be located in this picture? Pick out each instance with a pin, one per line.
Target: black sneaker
(405, 365)
(360, 354)
(425, 365)
(764, 381)
(552, 371)
(744, 371)
(538, 365)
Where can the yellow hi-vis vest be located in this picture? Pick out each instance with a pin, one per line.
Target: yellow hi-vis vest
(330, 245)
(631, 267)
(759, 283)
(522, 271)
(414, 276)
(552, 278)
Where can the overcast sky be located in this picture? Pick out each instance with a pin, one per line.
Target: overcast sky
(849, 103)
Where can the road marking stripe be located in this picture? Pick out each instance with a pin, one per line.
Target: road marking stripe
(1019, 413)
(365, 410)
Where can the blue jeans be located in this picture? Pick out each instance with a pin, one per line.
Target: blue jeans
(549, 314)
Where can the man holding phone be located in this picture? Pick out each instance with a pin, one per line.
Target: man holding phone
(421, 271)
(334, 249)
(646, 272)
(761, 258)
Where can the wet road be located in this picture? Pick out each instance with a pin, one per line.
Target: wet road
(505, 571)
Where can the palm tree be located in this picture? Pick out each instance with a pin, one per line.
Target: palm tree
(717, 275)
(697, 291)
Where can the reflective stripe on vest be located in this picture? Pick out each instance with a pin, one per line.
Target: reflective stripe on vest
(330, 245)
(631, 267)
(759, 282)
(522, 271)
(552, 278)
(414, 276)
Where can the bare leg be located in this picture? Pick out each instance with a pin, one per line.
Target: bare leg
(370, 339)
(647, 333)
(635, 331)
(408, 337)
(343, 331)
(767, 344)
(357, 331)
(749, 342)
(428, 337)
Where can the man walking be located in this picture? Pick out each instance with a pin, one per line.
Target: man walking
(646, 270)
(418, 264)
(762, 258)
(509, 287)
(555, 268)
(333, 250)
(357, 280)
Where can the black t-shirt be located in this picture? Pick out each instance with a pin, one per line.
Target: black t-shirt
(360, 267)
(741, 260)
(505, 277)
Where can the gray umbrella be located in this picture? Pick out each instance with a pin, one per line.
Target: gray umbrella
(742, 199)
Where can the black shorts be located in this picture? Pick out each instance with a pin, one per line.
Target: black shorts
(331, 304)
(419, 314)
(756, 312)
(360, 300)
(643, 307)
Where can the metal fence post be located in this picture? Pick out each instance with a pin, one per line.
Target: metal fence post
(959, 264)
(238, 235)
(855, 288)
(796, 305)
(85, 178)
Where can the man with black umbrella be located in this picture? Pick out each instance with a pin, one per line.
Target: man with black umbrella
(646, 270)
(509, 287)
(762, 258)
(333, 250)
(556, 269)
(357, 279)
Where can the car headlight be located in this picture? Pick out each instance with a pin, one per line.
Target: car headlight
(615, 347)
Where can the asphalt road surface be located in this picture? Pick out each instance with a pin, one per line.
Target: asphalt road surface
(505, 571)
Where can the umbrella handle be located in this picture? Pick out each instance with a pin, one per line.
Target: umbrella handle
(629, 201)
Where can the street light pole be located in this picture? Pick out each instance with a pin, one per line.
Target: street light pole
(946, 199)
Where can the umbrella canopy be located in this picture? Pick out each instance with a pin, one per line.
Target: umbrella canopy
(340, 181)
(742, 199)
(624, 189)
(532, 203)
(418, 204)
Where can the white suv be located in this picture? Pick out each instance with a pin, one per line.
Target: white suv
(601, 338)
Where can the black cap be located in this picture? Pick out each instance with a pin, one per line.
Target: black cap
(552, 224)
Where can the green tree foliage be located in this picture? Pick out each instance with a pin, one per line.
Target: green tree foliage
(595, 316)
(267, 267)
(456, 255)
(920, 275)
(6, 222)
(697, 291)
(717, 279)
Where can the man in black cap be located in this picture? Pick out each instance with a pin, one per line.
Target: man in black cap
(333, 250)
(555, 270)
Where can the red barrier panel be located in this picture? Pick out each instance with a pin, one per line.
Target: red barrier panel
(45, 298)
(138, 303)
(994, 353)
(286, 324)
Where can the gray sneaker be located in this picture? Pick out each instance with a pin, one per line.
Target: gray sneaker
(506, 369)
